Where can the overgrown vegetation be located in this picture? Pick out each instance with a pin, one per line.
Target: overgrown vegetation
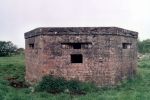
(144, 46)
(52, 84)
(145, 61)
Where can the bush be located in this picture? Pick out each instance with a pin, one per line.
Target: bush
(52, 84)
(75, 86)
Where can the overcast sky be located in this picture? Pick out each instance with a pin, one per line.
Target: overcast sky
(20, 16)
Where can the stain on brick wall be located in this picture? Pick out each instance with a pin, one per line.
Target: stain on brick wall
(101, 55)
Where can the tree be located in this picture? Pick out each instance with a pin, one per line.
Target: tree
(7, 48)
(144, 46)
(20, 51)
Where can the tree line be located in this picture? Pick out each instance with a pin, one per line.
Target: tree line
(7, 48)
(144, 46)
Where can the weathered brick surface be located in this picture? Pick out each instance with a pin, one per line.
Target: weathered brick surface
(105, 62)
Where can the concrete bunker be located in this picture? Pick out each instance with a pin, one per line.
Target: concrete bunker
(102, 55)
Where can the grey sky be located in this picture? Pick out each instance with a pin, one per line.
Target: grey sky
(20, 16)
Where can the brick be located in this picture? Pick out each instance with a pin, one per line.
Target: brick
(105, 62)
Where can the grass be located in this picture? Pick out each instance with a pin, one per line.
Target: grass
(135, 89)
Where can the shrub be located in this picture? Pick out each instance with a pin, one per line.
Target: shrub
(77, 87)
(74, 86)
(56, 85)
(51, 84)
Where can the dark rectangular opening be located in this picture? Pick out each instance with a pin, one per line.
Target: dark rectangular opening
(76, 58)
(76, 45)
(31, 45)
(126, 45)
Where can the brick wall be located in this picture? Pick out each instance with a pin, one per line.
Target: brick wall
(107, 59)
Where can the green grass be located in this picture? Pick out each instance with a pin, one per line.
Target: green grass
(12, 67)
(136, 89)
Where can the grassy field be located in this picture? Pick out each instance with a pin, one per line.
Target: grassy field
(13, 67)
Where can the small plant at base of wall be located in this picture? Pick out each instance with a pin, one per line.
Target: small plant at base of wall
(56, 85)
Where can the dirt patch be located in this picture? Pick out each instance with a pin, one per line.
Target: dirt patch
(16, 83)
